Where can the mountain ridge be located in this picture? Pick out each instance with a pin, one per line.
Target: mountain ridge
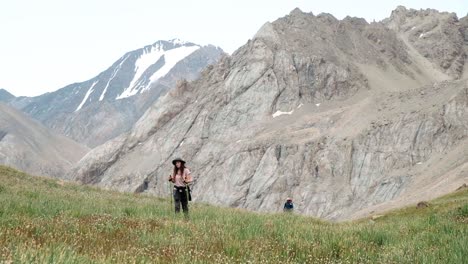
(6, 96)
(29, 146)
(120, 94)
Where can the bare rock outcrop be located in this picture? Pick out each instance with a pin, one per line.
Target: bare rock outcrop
(436, 35)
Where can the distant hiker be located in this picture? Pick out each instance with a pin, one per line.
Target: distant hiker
(288, 205)
(181, 177)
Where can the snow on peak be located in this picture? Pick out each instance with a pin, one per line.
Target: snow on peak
(112, 77)
(88, 93)
(279, 113)
(150, 57)
(171, 58)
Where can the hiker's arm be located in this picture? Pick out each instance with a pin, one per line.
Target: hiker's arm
(171, 178)
(188, 177)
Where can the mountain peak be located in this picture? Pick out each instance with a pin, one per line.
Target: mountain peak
(400, 9)
(437, 36)
(139, 77)
(5, 95)
(165, 45)
(401, 12)
(296, 11)
(4, 91)
(178, 41)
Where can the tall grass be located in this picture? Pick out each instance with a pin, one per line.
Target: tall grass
(47, 221)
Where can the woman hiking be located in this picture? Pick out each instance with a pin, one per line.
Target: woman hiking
(181, 177)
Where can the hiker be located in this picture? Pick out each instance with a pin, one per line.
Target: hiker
(181, 177)
(288, 205)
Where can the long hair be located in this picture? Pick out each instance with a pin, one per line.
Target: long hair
(182, 168)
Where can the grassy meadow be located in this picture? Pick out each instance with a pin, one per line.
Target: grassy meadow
(48, 221)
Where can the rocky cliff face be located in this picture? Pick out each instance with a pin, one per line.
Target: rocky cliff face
(107, 105)
(29, 146)
(440, 37)
(342, 116)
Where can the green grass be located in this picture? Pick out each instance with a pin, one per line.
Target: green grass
(47, 221)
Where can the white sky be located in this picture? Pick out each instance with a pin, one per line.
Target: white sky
(47, 44)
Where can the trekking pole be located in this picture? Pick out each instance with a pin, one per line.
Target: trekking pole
(187, 193)
(172, 198)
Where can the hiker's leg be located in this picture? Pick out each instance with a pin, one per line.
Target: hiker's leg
(184, 202)
(177, 200)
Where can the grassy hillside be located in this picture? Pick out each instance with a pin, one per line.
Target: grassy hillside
(47, 221)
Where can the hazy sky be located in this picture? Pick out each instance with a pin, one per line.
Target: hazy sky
(47, 44)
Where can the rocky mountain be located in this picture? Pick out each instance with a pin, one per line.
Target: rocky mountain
(346, 117)
(29, 146)
(439, 37)
(5, 96)
(107, 105)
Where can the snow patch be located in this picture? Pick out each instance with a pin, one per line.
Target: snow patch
(88, 93)
(422, 35)
(317, 104)
(171, 58)
(145, 60)
(112, 77)
(279, 113)
(300, 106)
(413, 28)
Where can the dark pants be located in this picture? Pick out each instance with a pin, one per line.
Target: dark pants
(180, 197)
